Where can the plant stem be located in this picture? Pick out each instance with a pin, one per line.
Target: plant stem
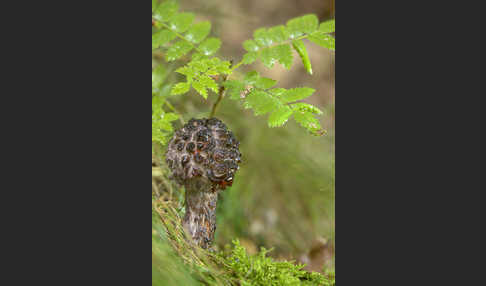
(220, 94)
(218, 101)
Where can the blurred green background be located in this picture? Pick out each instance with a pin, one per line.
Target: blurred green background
(283, 194)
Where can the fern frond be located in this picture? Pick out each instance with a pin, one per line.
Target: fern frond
(178, 36)
(199, 74)
(169, 25)
(210, 46)
(198, 32)
(274, 44)
(258, 93)
(161, 121)
(302, 51)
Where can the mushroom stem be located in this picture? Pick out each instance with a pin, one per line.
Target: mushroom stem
(200, 217)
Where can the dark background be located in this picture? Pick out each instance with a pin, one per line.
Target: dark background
(409, 145)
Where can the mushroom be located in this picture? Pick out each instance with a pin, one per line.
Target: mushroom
(203, 157)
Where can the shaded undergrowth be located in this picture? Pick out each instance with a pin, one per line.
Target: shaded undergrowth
(177, 261)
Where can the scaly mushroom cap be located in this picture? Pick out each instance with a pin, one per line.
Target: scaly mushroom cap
(206, 150)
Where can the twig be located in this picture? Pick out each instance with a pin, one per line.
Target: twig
(222, 89)
(220, 97)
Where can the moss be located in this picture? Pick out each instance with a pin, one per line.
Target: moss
(259, 269)
(178, 261)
